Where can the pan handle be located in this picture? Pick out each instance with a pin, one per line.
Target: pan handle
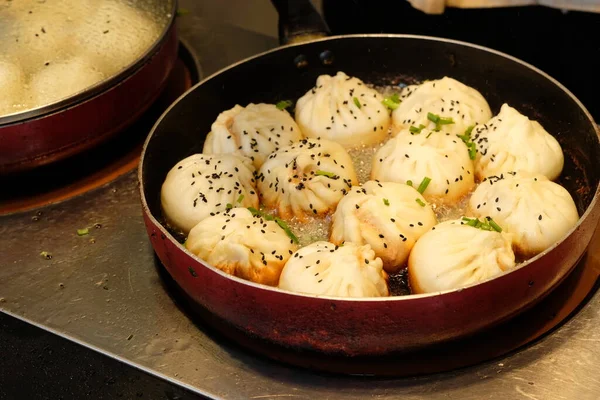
(299, 21)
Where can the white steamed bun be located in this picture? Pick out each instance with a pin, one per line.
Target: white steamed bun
(242, 244)
(11, 88)
(307, 178)
(440, 156)
(454, 255)
(512, 142)
(61, 79)
(537, 211)
(343, 109)
(325, 269)
(444, 97)
(255, 131)
(388, 216)
(115, 34)
(204, 184)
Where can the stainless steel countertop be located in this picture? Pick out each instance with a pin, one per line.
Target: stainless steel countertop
(109, 296)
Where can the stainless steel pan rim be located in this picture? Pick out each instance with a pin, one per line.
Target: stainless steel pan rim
(96, 89)
(165, 232)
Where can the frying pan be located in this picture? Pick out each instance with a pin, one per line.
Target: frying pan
(53, 132)
(374, 326)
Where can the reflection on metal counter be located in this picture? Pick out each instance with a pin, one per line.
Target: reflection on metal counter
(103, 288)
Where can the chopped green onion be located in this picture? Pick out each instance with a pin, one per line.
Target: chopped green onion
(325, 173)
(439, 121)
(392, 102)
(415, 129)
(283, 104)
(83, 232)
(409, 182)
(490, 225)
(386, 202)
(420, 202)
(423, 185)
(182, 11)
(466, 138)
(472, 150)
(258, 213)
(494, 225)
(469, 130)
(229, 206)
(433, 117)
(267, 217)
(286, 229)
(239, 200)
(445, 121)
(280, 222)
(470, 222)
(357, 102)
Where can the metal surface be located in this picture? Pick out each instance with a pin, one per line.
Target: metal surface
(108, 295)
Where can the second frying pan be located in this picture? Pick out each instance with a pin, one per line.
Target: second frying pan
(69, 126)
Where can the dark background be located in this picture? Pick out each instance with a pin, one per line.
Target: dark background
(564, 45)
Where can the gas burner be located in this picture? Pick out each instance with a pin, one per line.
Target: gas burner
(102, 164)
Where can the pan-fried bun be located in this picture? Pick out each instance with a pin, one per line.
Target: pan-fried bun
(439, 156)
(325, 269)
(512, 142)
(447, 98)
(307, 178)
(203, 185)
(343, 109)
(242, 244)
(453, 255)
(62, 79)
(11, 88)
(254, 131)
(537, 211)
(388, 216)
